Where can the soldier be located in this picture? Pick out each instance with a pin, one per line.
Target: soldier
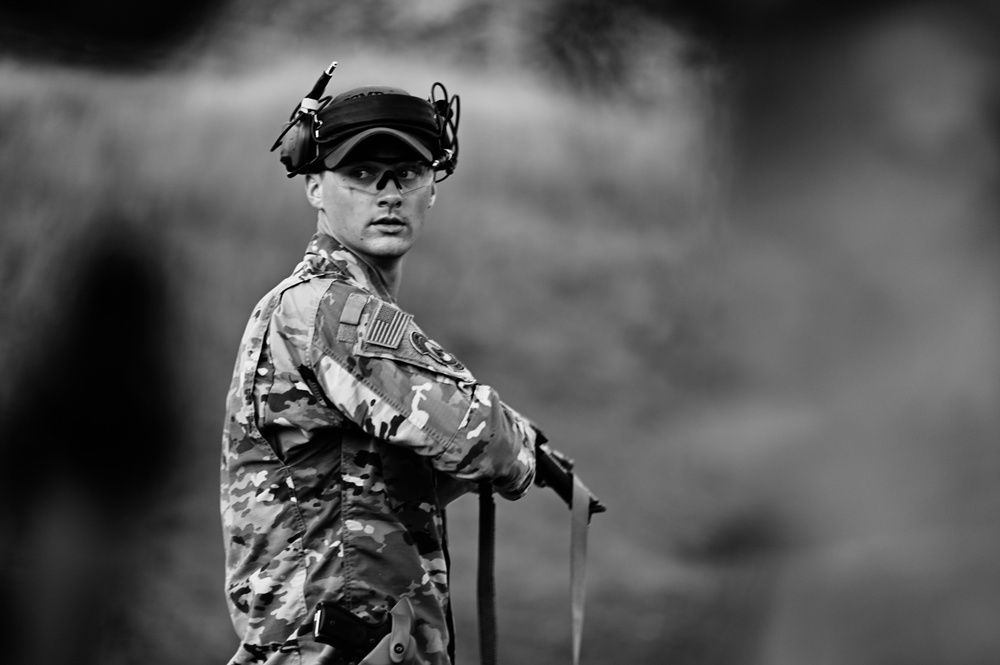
(348, 429)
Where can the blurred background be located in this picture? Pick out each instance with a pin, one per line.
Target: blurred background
(738, 258)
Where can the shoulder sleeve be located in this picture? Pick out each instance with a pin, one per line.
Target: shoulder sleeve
(379, 368)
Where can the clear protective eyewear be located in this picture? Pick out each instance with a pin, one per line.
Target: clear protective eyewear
(373, 177)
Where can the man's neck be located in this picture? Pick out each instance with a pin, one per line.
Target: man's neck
(391, 272)
(388, 271)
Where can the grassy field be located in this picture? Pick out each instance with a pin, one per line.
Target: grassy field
(702, 375)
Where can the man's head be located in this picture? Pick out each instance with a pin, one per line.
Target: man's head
(370, 156)
(373, 183)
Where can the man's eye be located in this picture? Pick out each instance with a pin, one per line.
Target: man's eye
(410, 172)
(361, 173)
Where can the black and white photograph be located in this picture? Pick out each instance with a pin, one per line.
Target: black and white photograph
(483, 332)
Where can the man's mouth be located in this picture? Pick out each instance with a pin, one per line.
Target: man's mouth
(389, 223)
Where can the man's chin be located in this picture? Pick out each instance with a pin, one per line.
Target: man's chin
(389, 246)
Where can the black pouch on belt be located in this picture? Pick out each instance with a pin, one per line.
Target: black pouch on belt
(349, 633)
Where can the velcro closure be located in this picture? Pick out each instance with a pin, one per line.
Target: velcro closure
(351, 314)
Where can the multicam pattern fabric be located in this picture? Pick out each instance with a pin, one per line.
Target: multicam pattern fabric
(335, 452)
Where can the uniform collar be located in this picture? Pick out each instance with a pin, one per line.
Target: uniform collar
(326, 256)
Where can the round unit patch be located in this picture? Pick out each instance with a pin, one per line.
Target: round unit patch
(429, 347)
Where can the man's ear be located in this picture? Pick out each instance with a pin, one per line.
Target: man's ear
(314, 190)
(434, 193)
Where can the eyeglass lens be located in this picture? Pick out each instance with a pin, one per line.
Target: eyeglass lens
(369, 178)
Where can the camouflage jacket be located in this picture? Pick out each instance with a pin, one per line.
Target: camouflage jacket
(342, 418)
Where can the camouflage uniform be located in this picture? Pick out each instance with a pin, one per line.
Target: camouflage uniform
(342, 419)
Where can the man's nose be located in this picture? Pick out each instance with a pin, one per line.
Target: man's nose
(389, 194)
(386, 177)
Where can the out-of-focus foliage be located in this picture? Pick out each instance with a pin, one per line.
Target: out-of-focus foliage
(111, 34)
(754, 297)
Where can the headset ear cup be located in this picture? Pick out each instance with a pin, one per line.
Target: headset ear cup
(297, 145)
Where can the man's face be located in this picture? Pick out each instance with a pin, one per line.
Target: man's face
(375, 201)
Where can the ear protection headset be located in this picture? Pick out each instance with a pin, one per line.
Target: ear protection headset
(318, 124)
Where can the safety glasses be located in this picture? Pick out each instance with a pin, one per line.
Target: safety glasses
(374, 177)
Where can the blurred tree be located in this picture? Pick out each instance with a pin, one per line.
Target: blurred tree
(88, 446)
(88, 420)
(584, 43)
(114, 34)
(861, 219)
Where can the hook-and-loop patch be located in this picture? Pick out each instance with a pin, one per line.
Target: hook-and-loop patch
(350, 316)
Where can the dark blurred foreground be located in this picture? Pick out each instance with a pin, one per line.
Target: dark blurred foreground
(89, 442)
(854, 445)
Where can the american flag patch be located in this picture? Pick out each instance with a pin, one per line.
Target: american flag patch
(387, 326)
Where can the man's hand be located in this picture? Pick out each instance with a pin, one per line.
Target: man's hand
(565, 462)
(553, 469)
(542, 449)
